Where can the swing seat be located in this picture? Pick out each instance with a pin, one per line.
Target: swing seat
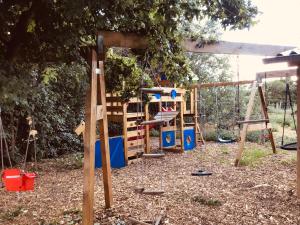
(201, 173)
(153, 192)
(289, 147)
(17, 180)
(225, 141)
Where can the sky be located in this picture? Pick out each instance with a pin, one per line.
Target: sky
(277, 25)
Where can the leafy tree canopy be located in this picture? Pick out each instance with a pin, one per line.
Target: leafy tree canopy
(48, 30)
(42, 43)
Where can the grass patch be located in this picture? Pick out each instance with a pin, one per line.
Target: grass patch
(225, 150)
(10, 215)
(289, 161)
(252, 157)
(208, 202)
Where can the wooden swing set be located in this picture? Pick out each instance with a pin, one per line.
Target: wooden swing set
(247, 124)
(96, 108)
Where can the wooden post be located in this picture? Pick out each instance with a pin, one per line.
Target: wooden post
(104, 140)
(160, 127)
(89, 145)
(125, 105)
(182, 103)
(147, 132)
(245, 126)
(192, 101)
(298, 132)
(266, 116)
(195, 104)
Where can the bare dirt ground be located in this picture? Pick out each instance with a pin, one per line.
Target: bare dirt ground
(261, 194)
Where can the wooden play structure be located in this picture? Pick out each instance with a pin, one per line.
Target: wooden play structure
(135, 118)
(95, 111)
(253, 125)
(294, 61)
(96, 106)
(247, 124)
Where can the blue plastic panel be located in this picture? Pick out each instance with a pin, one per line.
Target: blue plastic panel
(116, 148)
(168, 138)
(189, 139)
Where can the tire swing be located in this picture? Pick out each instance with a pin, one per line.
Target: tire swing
(293, 145)
(219, 137)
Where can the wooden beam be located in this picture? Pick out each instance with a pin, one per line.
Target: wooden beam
(153, 122)
(103, 128)
(135, 133)
(134, 143)
(276, 74)
(245, 126)
(147, 131)
(253, 121)
(195, 103)
(292, 59)
(99, 112)
(115, 108)
(125, 126)
(234, 48)
(89, 145)
(181, 128)
(266, 116)
(131, 40)
(222, 84)
(298, 133)
(124, 40)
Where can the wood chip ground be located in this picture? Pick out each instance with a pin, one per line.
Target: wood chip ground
(260, 194)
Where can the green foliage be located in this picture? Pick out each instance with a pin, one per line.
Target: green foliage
(252, 157)
(254, 136)
(204, 201)
(43, 48)
(124, 75)
(210, 136)
(55, 105)
(72, 161)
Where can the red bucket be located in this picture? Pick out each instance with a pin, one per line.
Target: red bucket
(17, 180)
(28, 181)
(12, 179)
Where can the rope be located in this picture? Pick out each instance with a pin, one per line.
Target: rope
(287, 97)
(31, 127)
(1, 147)
(238, 110)
(284, 115)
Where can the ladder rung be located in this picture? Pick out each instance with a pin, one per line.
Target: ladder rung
(253, 121)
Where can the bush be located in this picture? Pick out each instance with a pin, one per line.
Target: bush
(53, 100)
(253, 136)
(210, 135)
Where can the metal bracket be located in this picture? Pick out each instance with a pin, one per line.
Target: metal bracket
(98, 71)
